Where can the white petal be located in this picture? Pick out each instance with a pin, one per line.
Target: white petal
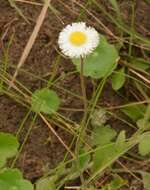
(77, 51)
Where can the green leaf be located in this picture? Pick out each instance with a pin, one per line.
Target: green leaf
(46, 183)
(103, 135)
(106, 155)
(118, 79)
(146, 180)
(8, 147)
(140, 63)
(115, 184)
(121, 139)
(81, 163)
(101, 62)
(11, 179)
(135, 112)
(45, 101)
(144, 145)
(83, 159)
(142, 124)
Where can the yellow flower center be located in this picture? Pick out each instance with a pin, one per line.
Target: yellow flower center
(78, 38)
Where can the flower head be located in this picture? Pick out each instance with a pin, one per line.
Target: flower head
(78, 40)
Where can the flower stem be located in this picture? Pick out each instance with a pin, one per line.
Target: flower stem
(83, 86)
(83, 122)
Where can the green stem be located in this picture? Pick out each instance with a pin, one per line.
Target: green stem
(81, 132)
(23, 122)
(83, 86)
(83, 122)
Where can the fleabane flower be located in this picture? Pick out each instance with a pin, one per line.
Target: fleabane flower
(78, 40)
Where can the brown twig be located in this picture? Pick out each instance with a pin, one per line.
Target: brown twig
(29, 2)
(54, 132)
(31, 40)
(140, 76)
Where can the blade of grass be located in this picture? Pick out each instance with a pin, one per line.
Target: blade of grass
(123, 27)
(25, 140)
(6, 60)
(13, 4)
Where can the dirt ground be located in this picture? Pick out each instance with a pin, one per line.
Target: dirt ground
(40, 153)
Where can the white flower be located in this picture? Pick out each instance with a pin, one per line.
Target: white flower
(77, 40)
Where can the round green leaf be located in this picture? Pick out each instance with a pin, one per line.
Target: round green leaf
(103, 135)
(45, 101)
(101, 62)
(11, 179)
(8, 147)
